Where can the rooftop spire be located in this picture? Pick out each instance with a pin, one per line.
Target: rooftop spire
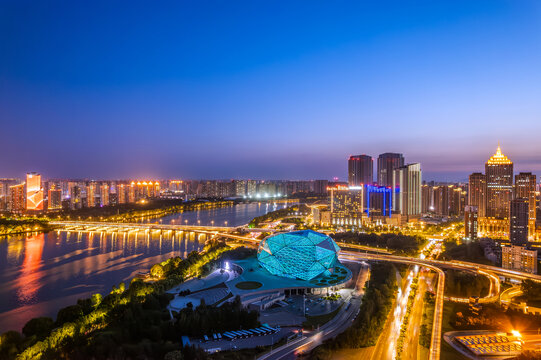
(499, 158)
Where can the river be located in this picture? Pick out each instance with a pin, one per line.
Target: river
(43, 273)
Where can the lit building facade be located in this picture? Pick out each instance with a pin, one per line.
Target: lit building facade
(477, 189)
(519, 258)
(525, 188)
(34, 192)
(470, 222)
(54, 198)
(16, 198)
(347, 206)
(360, 170)
(387, 163)
(104, 194)
(499, 179)
(407, 196)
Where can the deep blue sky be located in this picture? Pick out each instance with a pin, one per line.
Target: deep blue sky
(266, 89)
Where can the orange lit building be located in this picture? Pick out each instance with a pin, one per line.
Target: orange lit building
(16, 198)
(55, 198)
(34, 192)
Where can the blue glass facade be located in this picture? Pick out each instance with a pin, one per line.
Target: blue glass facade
(300, 254)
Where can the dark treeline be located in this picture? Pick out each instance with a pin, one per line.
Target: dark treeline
(206, 319)
(131, 322)
(10, 226)
(531, 292)
(301, 209)
(399, 243)
(471, 251)
(465, 284)
(375, 307)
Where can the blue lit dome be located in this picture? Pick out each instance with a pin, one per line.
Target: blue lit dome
(299, 254)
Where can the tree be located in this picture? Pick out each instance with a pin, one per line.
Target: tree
(68, 314)
(173, 355)
(39, 327)
(96, 300)
(156, 271)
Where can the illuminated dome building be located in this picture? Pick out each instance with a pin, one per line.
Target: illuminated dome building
(301, 255)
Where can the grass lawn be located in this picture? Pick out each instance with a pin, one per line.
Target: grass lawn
(248, 285)
(313, 322)
(447, 351)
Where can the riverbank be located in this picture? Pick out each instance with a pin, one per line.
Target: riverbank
(9, 227)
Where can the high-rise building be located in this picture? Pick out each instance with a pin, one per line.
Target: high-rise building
(91, 193)
(427, 198)
(525, 188)
(441, 200)
(407, 182)
(34, 192)
(499, 178)
(470, 222)
(55, 198)
(477, 189)
(16, 198)
(104, 194)
(378, 200)
(518, 221)
(360, 170)
(387, 163)
(519, 258)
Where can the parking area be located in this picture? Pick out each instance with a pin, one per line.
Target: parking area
(243, 342)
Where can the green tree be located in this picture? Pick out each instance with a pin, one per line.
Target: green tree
(96, 300)
(39, 327)
(68, 314)
(156, 271)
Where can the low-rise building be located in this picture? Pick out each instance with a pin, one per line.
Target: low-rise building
(519, 258)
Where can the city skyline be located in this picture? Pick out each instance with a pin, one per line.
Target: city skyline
(184, 91)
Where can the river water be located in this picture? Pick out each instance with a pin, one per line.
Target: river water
(43, 273)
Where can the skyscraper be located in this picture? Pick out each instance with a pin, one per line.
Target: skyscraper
(360, 170)
(518, 221)
(34, 192)
(387, 163)
(525, 188)
(407, 189)
(477, 192)
(499, 178)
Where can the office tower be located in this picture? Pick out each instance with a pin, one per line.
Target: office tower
(477, 188)
(499, 178)
(34, 192)
(346, 206)
(251, 187)
(360, 170)
(470, 222)
(55, 198)
(518, 221)
(131, 193)
(387, 163)
(16, 198)
(525, 188)
(407, 182)
(104, 194)
(519, 258)
(320, 186)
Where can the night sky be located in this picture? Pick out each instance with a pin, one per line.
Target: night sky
(266, 89)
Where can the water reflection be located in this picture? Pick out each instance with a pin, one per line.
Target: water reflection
(42, 273)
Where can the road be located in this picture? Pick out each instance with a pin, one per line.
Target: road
(336, 326)
(411, 343)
